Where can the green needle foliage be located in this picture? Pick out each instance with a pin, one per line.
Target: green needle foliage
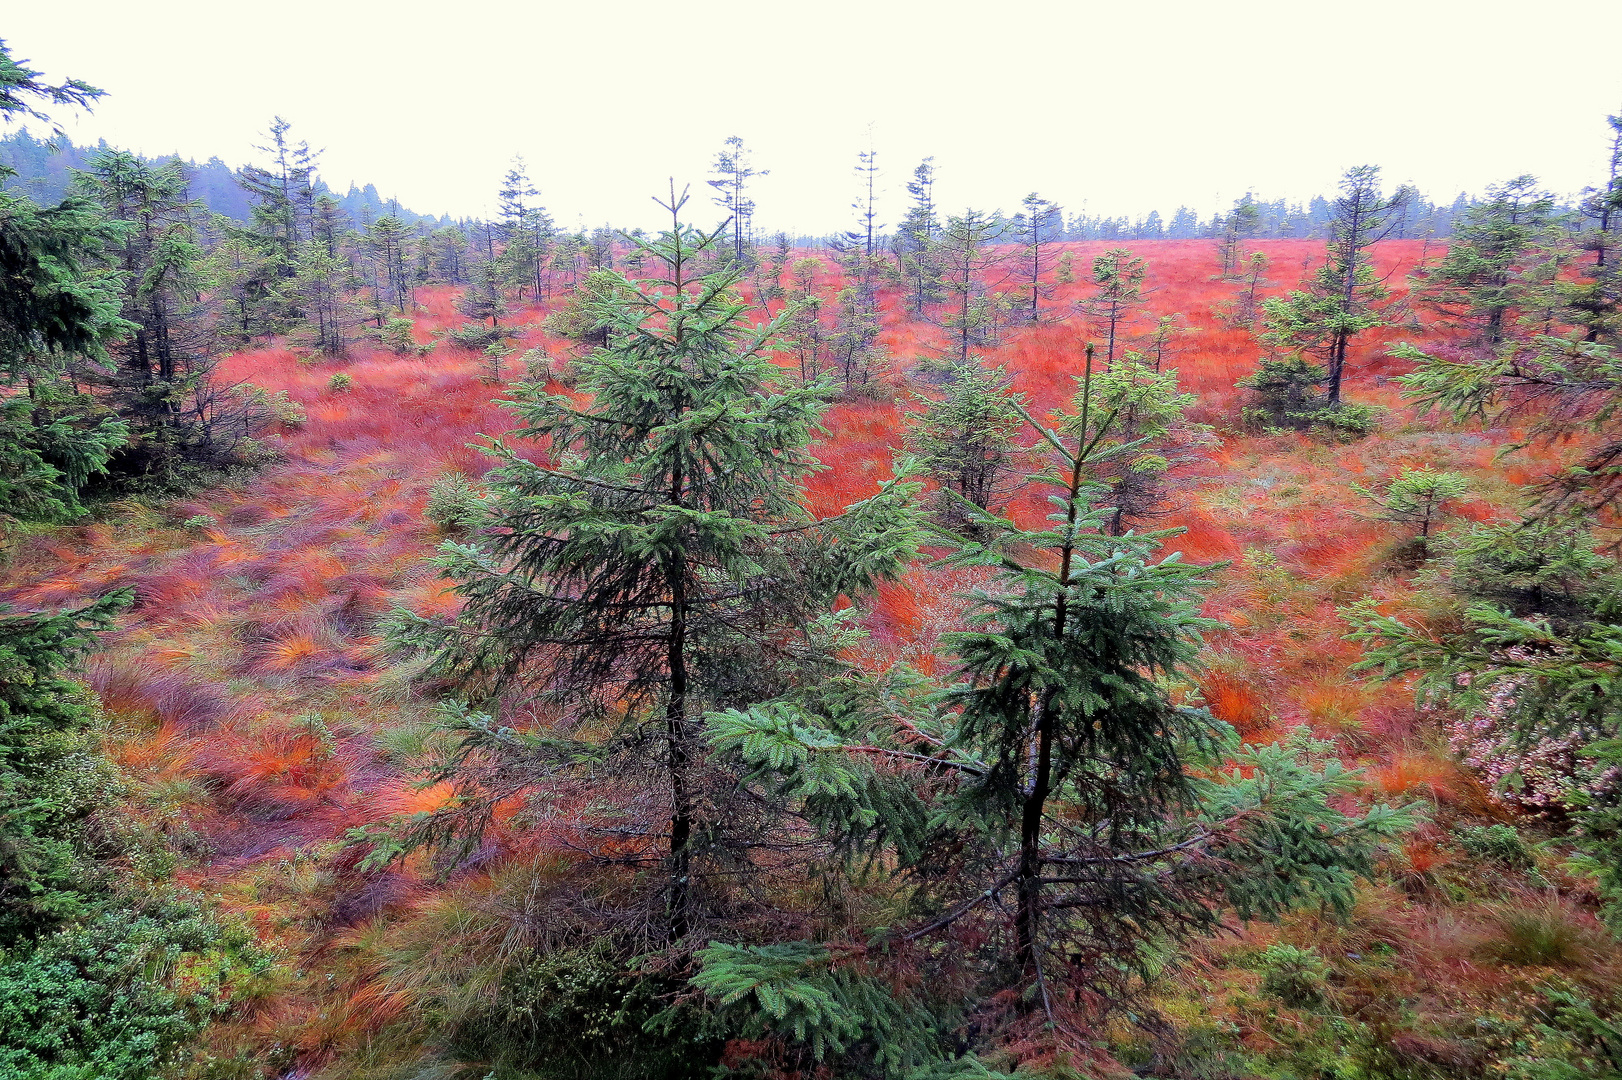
(1418, 497)
(1056, 817)
(654, 564)
(965, 438)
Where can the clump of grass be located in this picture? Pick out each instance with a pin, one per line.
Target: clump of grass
(1536, 935)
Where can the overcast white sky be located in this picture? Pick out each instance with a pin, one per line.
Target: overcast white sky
(1115, 108)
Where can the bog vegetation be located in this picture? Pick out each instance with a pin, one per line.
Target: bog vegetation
(997, 645)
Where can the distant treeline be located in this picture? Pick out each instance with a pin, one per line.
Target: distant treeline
(45, 174)
(1278, 219)
(45, 171)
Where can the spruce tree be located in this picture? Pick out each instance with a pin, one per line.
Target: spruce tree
(1117, 292)
(1037, 227)
(1144, 411)
(1499, 263)
(162, 384)
(734, 169)
(966, 439)
(966, 253)
(1053, 819)
(1344, 298)
(659, 564)
(916, 241)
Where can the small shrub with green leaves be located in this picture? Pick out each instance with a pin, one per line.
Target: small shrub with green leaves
(457, 505)
(198, 522)
(1294, 976)
(340, 382)
(1495, 843)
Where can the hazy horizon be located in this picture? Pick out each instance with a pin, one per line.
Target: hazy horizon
(1107, 112)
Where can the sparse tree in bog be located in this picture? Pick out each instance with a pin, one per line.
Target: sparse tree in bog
(283, 193)
(853, 340)
(965, 439)
(1561, 376)
(1164, 342)
(484, 297)
(1500, 262)
(1419, 497)
(734, 169)
(1118, 277)
(1053, 813)
(967, 253)
(526, 232)
(916, 241)
(864, 238)
(1243, 310)
(387, 246)
(325, 286)
(330, 226)
(767, 280)
(1599, 299)
(1142, 412)
(657, 566)
(445, 250)
(804, 333)
(1344, 297)
(1234, 229)
(162, 381)
(1038, 228)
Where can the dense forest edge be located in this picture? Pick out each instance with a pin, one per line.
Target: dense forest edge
(996, 644)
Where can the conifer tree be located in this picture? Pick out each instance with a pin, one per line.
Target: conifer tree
(853, 338)
(965, 439)
(1343, 298)
(966, 253)
(325, 286)
(1145, 411)
(1118, 277)
(1420, 497)
(526, 231)
(1037, 227)
(804, 333)
(1243, 309)
(162, 384)
(1499, 262)
(1056, 817)
(387, 241)
(864, 238)
(1562, 376)
(1239, 225)
(734, 169)
(658, 565)
(283, 193)
(916, 239)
